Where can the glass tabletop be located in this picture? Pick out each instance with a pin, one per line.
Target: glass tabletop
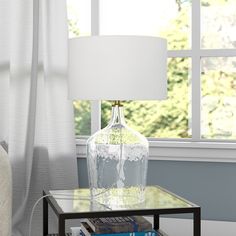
(79, 201)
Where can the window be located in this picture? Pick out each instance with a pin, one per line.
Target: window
(218, 69)
(201, 37)
(79, 24)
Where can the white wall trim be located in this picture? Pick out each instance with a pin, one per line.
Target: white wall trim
(202, 53)
(182, 151)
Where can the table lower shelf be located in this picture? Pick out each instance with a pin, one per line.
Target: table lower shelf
(161, 233)
(67, 234)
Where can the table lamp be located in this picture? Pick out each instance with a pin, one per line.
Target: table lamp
(117, 68)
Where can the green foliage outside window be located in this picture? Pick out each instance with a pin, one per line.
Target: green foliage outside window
(82, 117)
(167, 118)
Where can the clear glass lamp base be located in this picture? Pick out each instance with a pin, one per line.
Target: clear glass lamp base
(117, 159)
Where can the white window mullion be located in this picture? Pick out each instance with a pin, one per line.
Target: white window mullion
(95, 105)
(196, 70)
(95, 116)
(218, 53)
(95, 17)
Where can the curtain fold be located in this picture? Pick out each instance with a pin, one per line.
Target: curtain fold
(36, 118)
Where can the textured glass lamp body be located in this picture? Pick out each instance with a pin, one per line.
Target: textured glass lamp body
(117, 159)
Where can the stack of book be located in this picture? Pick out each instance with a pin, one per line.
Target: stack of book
(117, 226)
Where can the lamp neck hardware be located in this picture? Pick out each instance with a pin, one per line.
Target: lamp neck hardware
(117, 103)
(117, 116)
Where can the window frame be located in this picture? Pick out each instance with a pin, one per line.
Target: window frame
(178, 149)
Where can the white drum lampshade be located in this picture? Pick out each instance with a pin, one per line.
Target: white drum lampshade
(117, 68)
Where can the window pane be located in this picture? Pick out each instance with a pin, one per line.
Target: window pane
(79, 17)
(218, 23)
(161, 119)
(82, 111)
(218, 98)
(169, 19)
(78, 12)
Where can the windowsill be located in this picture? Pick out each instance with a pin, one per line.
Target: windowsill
(193, 144)
(184, 150)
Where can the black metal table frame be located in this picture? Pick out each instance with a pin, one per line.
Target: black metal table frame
(62, 216)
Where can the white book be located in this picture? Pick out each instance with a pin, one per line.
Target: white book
(75, 231)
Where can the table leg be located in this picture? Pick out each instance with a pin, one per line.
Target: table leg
(156, 221)
(45, 216)
(61, 226)
(197, 222)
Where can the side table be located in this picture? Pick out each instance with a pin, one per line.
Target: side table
(74, 204)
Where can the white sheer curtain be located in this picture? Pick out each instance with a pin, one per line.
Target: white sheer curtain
(36, 118)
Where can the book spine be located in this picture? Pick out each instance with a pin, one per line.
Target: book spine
(148, 233)
(114, 228)
(90, 224)
(119, 224)
(85, 229)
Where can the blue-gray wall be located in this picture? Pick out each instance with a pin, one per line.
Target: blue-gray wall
(210, 185)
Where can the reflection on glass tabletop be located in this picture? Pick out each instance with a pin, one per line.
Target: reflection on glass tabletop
(78, 200)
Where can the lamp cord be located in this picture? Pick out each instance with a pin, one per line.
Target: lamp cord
(61, 196)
